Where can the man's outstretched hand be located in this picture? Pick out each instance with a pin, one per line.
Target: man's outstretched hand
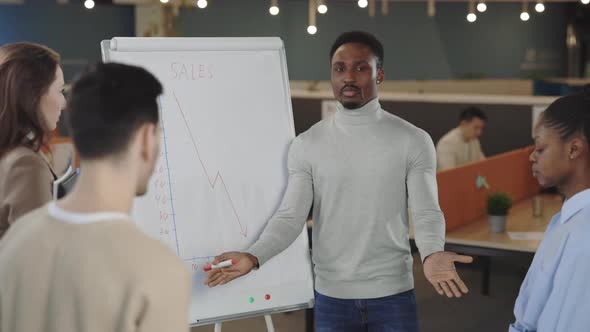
(439, 269)
(244, 264)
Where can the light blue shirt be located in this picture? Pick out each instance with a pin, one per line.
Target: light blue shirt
(555, 295)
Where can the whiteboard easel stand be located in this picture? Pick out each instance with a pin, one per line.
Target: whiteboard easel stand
(147, 52)
(269, 326)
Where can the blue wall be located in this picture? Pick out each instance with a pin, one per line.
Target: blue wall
(498, 45)
(70, 29)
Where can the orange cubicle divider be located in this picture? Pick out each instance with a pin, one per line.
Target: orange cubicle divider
(63, 140)
(60, 139)
(460, 199)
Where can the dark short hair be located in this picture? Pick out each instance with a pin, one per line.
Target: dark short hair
(27, 70)
(360, 37)
(107, 104)
(569, 115)
(472, 112)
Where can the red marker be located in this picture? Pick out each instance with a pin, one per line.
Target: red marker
(267, 297)
(226, 263)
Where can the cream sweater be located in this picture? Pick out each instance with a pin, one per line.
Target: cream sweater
(64, 272)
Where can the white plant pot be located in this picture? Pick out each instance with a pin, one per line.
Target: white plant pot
(497, 223)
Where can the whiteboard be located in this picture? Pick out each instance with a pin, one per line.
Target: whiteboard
(227, 124)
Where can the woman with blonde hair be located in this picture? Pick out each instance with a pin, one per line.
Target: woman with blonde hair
(31, 101)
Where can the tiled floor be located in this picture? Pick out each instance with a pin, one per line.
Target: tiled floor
(473, 312)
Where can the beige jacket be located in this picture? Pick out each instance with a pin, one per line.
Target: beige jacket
(26, 183)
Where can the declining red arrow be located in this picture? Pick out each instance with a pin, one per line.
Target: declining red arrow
(218, 176)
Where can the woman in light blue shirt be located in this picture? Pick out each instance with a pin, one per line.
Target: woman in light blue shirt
(555, 295)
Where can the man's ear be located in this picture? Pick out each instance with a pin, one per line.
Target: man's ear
(147, 136)
(380, 75)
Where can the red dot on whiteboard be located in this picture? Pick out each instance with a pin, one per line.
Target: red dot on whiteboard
(267, 296)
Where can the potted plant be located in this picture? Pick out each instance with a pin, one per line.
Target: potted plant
(499, 204)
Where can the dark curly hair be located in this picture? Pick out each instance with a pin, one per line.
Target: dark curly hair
(360, 37)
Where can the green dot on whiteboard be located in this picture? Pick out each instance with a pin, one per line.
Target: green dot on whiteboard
(251, 300)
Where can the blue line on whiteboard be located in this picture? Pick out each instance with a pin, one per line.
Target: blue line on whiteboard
(197, 258)
(168, 171)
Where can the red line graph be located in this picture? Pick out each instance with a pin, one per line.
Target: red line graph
(218, 176)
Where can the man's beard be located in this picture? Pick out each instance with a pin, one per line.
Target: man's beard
(351, 105)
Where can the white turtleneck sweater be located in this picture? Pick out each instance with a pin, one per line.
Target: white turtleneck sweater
(362, 169)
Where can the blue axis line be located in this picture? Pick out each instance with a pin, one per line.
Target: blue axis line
(196, 258)
(168, 171)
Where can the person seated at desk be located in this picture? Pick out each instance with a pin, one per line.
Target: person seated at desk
(81, 264)
(461, 145)
(555, 295)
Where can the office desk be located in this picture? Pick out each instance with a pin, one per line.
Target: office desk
(476, 238)
(520, 219)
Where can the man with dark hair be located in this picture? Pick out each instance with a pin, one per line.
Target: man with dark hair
(360, 37)
(361, 168)
(461, 145)
(81, 264)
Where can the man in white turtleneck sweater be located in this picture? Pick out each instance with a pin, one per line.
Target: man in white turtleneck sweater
(362, 169)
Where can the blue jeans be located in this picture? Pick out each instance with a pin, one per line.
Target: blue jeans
(395, 313)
